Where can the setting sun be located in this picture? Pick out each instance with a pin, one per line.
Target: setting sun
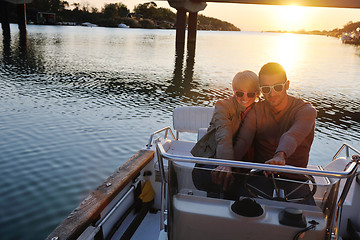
(291, 17)
(292, 13)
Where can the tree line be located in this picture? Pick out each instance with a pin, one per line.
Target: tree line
(146, 15)
(347, 28)
(336, 32)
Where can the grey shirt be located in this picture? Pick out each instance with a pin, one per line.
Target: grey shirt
(290, 131)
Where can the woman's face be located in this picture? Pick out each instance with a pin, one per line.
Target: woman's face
(245, 93)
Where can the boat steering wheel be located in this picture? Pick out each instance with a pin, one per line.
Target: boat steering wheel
(281, 194)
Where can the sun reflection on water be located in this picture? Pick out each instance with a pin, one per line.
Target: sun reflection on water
(288, 51)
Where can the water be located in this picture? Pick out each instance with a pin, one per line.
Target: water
(76, 102)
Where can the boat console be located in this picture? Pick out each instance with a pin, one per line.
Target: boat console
(196, 217)
(195, 214)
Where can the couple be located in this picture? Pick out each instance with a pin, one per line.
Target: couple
(277, 130)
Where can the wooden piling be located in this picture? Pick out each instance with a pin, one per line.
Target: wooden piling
(180, 26)
(21, 16)
(4, 19)
(192, 27)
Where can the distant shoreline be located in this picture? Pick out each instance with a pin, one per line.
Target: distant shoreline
(92, 26)
(321, 33)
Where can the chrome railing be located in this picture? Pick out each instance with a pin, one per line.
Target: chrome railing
(347, 149)
(261, 166)
(165, 129)
(348, 173)
(163, 186)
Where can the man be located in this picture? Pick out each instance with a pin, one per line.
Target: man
(281, 128)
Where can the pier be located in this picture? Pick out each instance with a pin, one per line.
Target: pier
(184, 7)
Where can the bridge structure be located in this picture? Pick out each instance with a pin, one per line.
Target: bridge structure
(192, 7)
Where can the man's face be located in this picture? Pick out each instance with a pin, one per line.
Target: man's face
(274, 98)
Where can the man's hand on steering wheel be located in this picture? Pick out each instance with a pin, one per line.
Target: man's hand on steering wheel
(278, 159)
(222, 175)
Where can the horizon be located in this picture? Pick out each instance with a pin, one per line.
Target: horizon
(273, 18)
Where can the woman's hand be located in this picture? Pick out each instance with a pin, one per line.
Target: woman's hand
(222, 175)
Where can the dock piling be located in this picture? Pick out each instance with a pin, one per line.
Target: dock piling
(4, 19)
(192, 27)
(180, 26)
(21, 17)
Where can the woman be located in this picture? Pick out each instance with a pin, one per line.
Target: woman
(218, 141)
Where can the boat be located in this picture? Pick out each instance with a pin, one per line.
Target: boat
(152, 196)
(122, 25)
(87, 24)
(352, 37)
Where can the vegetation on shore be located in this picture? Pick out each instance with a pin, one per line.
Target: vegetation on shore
(146, 15)
(349, 27)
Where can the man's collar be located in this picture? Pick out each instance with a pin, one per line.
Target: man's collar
(277, 112)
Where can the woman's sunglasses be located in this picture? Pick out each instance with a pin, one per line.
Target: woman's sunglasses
(276, 88)
(241, 94)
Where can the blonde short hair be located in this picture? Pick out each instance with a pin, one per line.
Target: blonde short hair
(246, 75)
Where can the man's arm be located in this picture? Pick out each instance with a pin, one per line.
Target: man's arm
(290, 140)
(245, 135)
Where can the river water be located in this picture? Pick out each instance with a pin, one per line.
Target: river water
(77, 102)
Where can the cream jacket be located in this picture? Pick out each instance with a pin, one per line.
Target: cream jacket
(225, 123)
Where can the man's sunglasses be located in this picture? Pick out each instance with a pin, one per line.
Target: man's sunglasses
(276, 88)
(241, 94)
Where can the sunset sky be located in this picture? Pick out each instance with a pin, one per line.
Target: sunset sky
(251, 17)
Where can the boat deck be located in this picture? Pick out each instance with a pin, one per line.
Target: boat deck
(149, 228)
